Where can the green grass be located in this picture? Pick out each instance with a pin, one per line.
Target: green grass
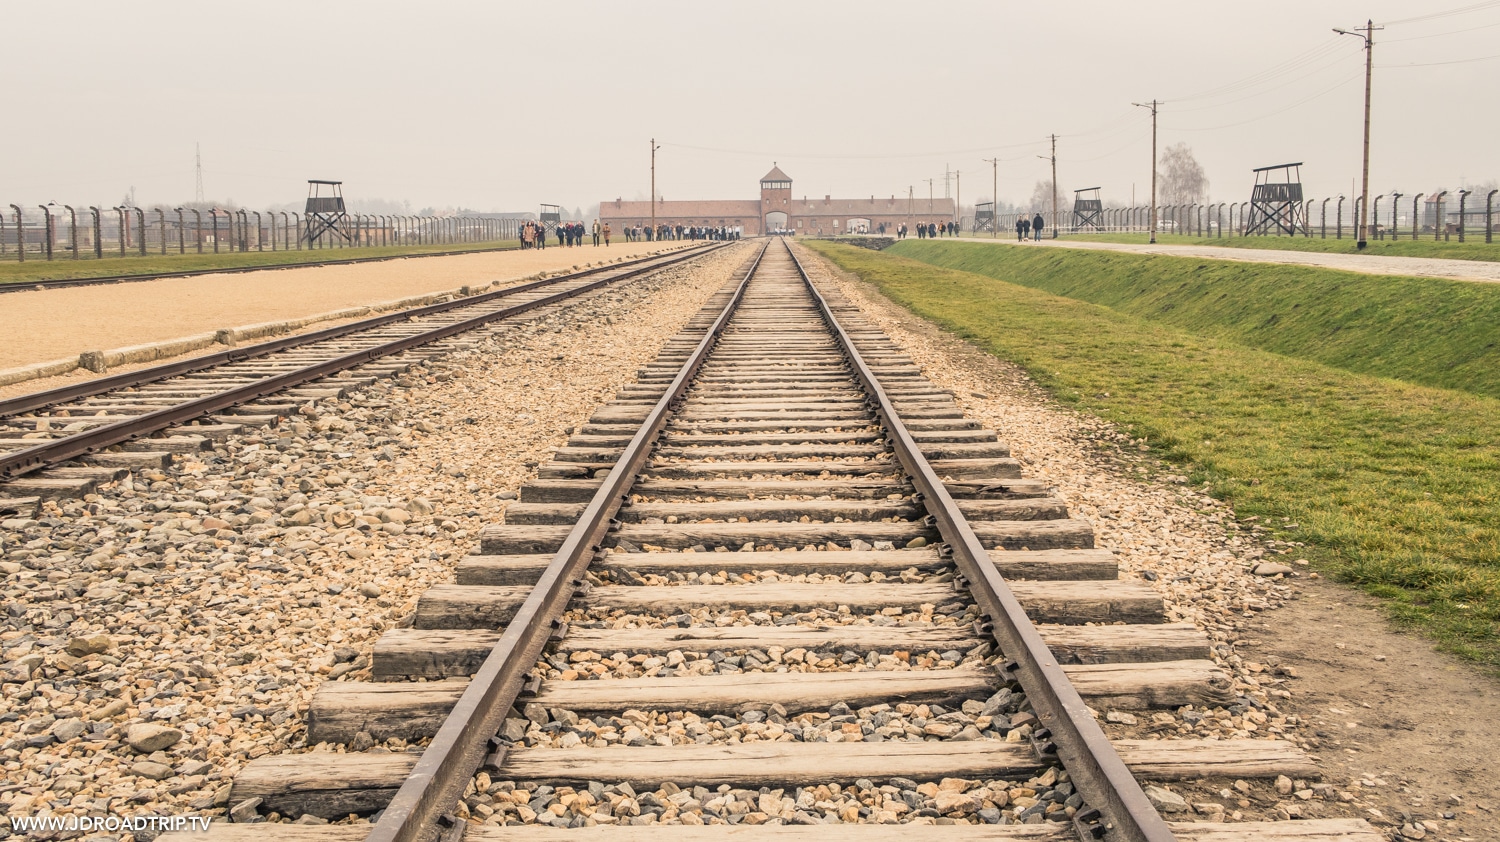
(1395, 487)
(1474, 249)
(63, 267)
(1425, 330)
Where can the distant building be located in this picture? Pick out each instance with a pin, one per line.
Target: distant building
(776, 209)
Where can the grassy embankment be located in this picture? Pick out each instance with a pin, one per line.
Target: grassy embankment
(1394, 486)
(62, 267)
(1474, 249)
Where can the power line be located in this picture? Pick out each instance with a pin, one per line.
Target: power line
(1462, 10)
(1464, 31)
(1258, 118)
(1436, 63)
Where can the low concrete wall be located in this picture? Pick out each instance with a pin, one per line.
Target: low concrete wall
(100, 362)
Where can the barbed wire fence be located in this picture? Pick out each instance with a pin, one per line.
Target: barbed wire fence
(87, 232)
(1447, 216)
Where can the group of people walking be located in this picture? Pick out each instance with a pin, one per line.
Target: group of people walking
(926, 230)
(1033, 227)
(645, 233)
(534, 234)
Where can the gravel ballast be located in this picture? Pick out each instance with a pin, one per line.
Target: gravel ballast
(163, 632)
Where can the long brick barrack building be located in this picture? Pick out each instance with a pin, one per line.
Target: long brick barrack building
(776, 209)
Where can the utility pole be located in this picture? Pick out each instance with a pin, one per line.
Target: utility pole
(1153, 105)
(1362, 215)
(911, 198)
(994, 197)
(1053, 159)
(1054, 187)
(958, 198)
(929, 195)
(654, 147)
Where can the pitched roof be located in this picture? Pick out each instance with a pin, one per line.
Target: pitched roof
(681, 208)
(920, 208)
(775, 175)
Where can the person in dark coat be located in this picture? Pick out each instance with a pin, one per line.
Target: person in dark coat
(1037, 224)
(1023, 227)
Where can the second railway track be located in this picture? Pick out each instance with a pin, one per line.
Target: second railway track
(781, 584)
(248, 386)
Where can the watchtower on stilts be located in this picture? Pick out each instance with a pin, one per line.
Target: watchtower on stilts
(1276, 206)
(984, 217)
(324, 213)
(551, 217)
(1088, 209)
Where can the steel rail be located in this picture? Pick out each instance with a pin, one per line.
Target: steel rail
(1121, 811)
(421, 808)
(64, 283)
(99, 386)
(19, 462)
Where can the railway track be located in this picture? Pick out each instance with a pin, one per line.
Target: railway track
(780, 584)
(207, 398)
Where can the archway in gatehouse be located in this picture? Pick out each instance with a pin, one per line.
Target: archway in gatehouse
(776, 223)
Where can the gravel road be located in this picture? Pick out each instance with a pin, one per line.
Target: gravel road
(1369, 264)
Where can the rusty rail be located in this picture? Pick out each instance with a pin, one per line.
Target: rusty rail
(20, 462)
(1120, 811)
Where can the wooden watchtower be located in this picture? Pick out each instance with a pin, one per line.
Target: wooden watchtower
(1088, 209)
(984, 217)
(1276, 206)
(325, 213)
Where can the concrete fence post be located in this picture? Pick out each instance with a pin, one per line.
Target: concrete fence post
(1339, 220)
(1375, 217)
(1439, 224)
(297, 226)
(260, 242)
(20, 236)
(98, 234)
(73, 230)
(161, 225)
(1416, 221)
(46, 231)
(213, 216)
(140, 229)
(1463, 198)
(1489, 216)
(181, 236)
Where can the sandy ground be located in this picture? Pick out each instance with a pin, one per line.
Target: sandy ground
(52, 324)
(1420, 267)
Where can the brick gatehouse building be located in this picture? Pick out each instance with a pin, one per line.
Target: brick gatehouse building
(777, 209)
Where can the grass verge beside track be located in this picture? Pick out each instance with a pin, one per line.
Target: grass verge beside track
(1393, 486)
(1474, 249)
(63, 268)
(1424, 330)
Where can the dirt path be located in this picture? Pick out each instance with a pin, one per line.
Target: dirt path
(1420, 267)
(1404, 730)
(50, 324)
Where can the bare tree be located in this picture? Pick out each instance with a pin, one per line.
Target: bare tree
(1182, 178)
(1041, 198)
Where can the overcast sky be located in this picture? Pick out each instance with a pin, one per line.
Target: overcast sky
(501, 106)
